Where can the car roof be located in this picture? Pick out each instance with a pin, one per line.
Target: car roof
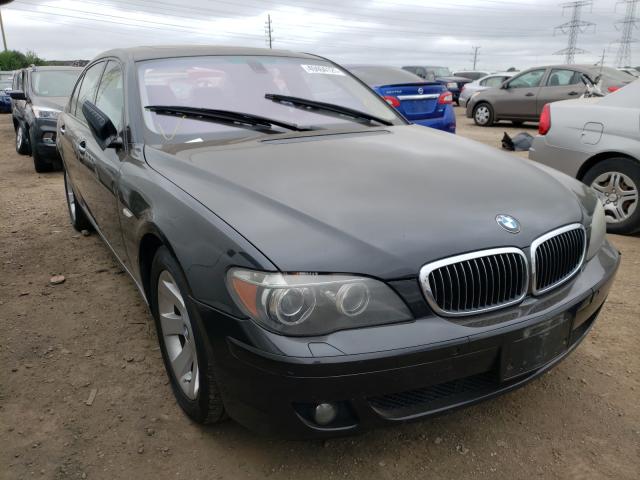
(137, 54)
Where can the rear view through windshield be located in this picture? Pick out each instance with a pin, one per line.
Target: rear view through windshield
(378, 76)
(239, 84)
(53, 83)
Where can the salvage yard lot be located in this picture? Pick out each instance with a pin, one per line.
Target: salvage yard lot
(92, 335)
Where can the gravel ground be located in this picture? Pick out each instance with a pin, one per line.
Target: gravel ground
(90, 340)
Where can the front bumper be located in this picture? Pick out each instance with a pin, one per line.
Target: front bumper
(271, 383)
(43, 138)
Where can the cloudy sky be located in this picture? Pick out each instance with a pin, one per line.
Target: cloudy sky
(516, 33)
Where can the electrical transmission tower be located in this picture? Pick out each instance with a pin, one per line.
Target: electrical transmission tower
(572, 28)
(268, 31)
(475, 56)
(623, 58)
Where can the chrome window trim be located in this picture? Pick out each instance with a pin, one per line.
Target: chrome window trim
(426, 270)
(540, 240)
(425, 96)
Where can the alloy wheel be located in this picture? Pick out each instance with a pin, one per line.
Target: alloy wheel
(482, 115)
(619, 195)
(19, 138)
(71, 198)
(178, 337)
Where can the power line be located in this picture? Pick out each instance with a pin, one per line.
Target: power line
(623, 58)
(573, 28)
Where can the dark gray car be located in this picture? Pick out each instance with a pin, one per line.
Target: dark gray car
(38, 96)
(597, 140)
(315, 265)
(522, 97)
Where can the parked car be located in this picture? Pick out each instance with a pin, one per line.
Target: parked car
(521, 98)
(442, 75)
(422, 103)
(38, 95)
(494, 80)
(630, 71)
(6, 79)
(471, 75)
(315, 264)
(598, 141)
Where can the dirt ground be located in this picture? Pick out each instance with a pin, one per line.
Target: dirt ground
(92, 333)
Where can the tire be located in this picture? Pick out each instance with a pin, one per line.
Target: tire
(22, 140)
(615, 180)
(179, 334)
(483, 115)
(42, 165)
(79, 219)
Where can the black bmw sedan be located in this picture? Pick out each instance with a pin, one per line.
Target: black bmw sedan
(315, 264)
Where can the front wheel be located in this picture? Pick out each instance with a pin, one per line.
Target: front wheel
(617, 183)
(187, 360)
(483, 115)
(22, 141)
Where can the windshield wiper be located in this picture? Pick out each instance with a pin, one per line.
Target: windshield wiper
(227, 117)
(325, 108)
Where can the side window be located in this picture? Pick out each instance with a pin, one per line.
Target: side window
(88, 87)
(563, 78)
(110, 97)
(492, 82)
(74, 97)
(528, 80)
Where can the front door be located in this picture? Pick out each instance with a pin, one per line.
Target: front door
(518, 98)
(106, 163)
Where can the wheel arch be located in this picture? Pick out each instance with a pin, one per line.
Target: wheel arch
(150, 242)
(593, 161)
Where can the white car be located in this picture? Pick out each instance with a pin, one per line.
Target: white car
(492, 80)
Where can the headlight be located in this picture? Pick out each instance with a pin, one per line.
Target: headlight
(452, 85)
(45, 112)
(314, 304)
(598, 230)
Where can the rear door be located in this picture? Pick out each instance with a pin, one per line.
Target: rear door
(417, 101)
(560, 84)
(519, 99)
(80, 164)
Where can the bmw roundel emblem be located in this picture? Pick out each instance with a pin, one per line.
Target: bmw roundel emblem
(509, 223)
(420, 90)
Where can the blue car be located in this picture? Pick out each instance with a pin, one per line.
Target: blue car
(422, 103)
(5, 83)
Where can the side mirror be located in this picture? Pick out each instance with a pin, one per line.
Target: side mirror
(505, 86)
(17, 94)
(101, 126)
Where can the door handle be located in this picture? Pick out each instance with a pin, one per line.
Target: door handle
(62, 130)
(82, 147)
(573, 94)
(529, 94)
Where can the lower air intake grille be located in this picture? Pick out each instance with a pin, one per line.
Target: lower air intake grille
(476, 282)
(557, 256)
(398, 405)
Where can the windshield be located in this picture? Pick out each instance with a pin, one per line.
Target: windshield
(239, 84)
(377, 76)
(613, 74)
(53, 83)
(440, 71)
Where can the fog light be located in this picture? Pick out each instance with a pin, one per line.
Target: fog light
(325, 413)
(49, 138)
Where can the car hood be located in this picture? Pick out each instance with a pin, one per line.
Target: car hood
(381, 203)
(50, 102)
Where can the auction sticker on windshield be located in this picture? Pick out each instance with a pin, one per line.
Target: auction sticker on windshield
(323, 69)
